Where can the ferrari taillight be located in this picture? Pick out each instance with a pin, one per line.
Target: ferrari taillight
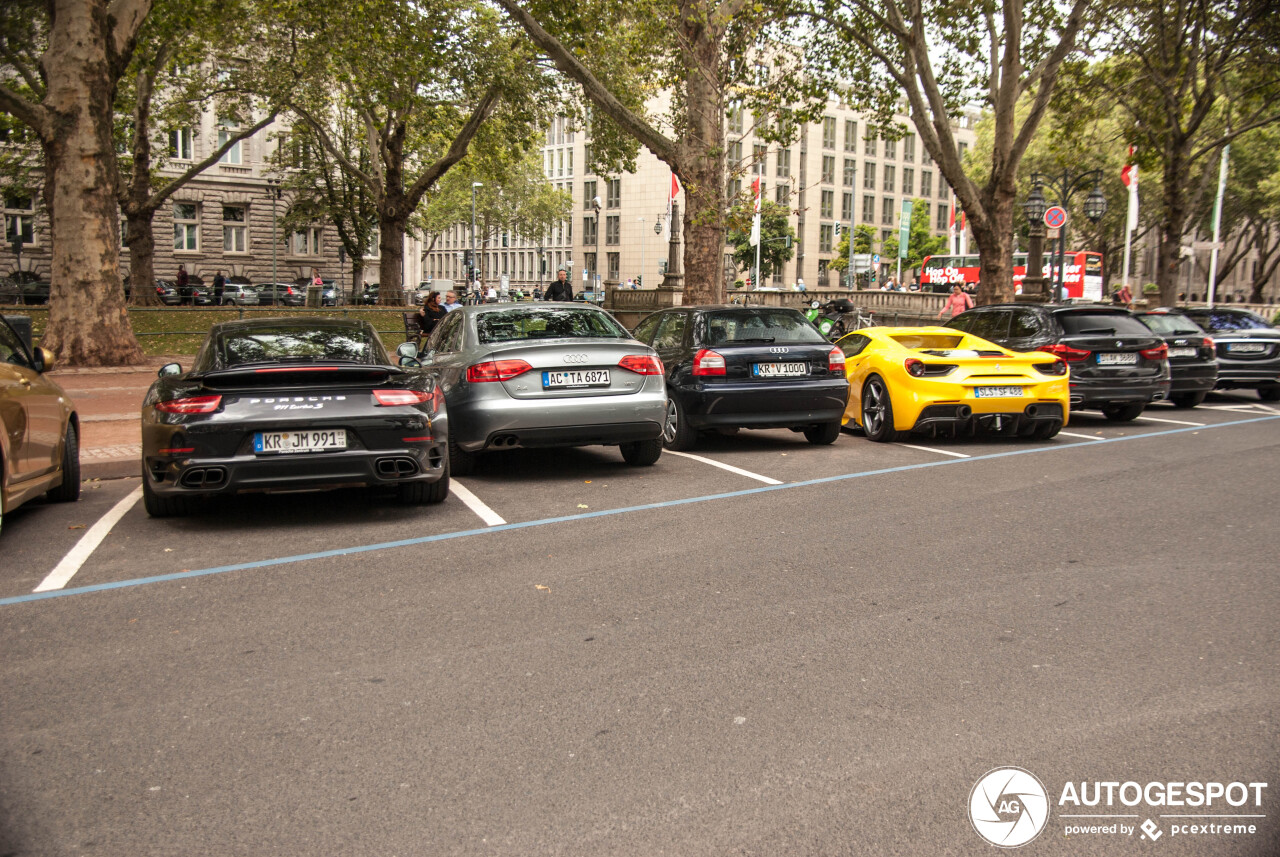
(190, 405)
(708, 362)
(400, 397)
(914, 367)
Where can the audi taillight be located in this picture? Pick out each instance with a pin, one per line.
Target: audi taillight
(1160, 352)
(835, 361)
(641, 364)
(1066, 352)
(400, 397)
(708, 362)
(496, 370)
(190, 405)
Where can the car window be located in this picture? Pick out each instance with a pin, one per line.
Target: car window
(760, 324)
(1026, 324)
(11, 348)
(644, 330)
(964, 321)
(447, 337)
(545, 322)
(1102, 323)
(991, 325)
(296, 343)
(1171, 324)
(854, 344)
(671, 333)
(1231, 320)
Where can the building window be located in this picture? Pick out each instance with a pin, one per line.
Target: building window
(961, 149)
(944, 216)
(870, 145)
(560, 168)
(890, 148)
(827, 209)
(925, 205)
(234, 229)
(759, 159)
(782, 194)
(181, 147)
(850, 167)
(306, 242)
(908, 180)
(613, 193)
(828, 169)
(824, 238)
(926, 183)
(614, 266)
(924, 156)
(885, 234)
(869, 175)
(909, 148)
(846, 206)
(850, 135)
(943, 190)
(569, 165)
(887, 211)
(613, 230)
(736, 119)
(186, 226)
(735, 154)
(784, 163)
(233, 155)
(19, 219)
(868, 209)
(889, 171)
(828, 132)
(589, 195)
(590, 234)
(733, 189)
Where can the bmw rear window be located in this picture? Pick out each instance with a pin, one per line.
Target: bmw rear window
(1102, 324)
(514, 325)
(297, 344)
(725, 327)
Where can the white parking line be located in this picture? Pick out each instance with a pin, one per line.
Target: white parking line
(475, 504)
(931, 449)
(729, 467)
(65, 570)
(1242, 408)
(1146, 418)
(1081, 436)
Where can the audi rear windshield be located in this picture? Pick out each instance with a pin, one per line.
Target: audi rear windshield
(726, 327)
(1101, 324)
(546, 322)
(298, 344)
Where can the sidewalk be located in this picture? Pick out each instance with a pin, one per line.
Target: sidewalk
(109, 402)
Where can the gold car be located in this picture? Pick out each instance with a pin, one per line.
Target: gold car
(902, 379)
(40, 441)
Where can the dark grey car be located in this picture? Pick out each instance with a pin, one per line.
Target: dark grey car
(1248, 349)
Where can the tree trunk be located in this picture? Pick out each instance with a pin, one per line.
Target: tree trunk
(392, 227)
(88, 322)
(993, 233)
(141, 241)
(1169, 255)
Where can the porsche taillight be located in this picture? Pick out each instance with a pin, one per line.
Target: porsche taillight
(392, 398)
(190, 405)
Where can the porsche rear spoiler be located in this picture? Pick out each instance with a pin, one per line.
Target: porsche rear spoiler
(277, 375)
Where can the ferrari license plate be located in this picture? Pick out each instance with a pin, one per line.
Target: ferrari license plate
(1182, 352)
(779, 370)
(576, 378)
(997, 392)
(1124, 358)
(307, 440)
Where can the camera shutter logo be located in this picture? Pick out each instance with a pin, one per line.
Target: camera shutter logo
(1008, 807)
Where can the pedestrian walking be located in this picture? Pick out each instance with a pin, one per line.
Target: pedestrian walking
(219, 286)
(560, 290)
(957, 302)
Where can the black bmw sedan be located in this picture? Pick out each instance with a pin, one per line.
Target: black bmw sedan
(1192, 363)
(731, 367)
(289, 404)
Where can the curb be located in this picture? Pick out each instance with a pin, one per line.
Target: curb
(111, 468)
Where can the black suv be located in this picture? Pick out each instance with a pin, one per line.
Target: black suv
(1248, 349)
(731, 367)
(1117, 365)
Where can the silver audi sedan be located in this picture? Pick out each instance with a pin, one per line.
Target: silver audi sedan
(544, 375)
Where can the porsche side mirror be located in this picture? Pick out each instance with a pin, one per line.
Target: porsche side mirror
(168, 370)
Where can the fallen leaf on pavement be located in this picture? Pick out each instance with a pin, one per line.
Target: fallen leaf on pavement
(543, 588)
(77, 527)
(583, 506)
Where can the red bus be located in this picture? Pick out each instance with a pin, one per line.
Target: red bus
(1083, 272)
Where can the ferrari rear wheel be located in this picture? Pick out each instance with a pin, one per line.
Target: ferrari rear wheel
(877, 412)
(1046, 429)
(163, 507)
(823, 433)
(69, 490)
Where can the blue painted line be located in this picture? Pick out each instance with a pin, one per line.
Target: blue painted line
(664, 504)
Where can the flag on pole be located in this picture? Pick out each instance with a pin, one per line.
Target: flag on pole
(1129, 175)
(964, 236)
(951, 229)
(755, 220)
(675, 189)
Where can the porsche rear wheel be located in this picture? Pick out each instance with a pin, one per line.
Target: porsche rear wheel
(416, 493)
(877, 412)
(163, 507)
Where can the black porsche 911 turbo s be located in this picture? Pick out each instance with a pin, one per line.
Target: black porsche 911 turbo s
(291, 404)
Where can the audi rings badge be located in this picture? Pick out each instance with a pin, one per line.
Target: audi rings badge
(575, 358)
(778, 350)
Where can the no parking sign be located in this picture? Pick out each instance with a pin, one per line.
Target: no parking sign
(1055, 216)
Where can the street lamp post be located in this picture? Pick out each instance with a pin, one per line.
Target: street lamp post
(644, 239)
(1095, 205)
(595, 274)
(475, 260)
(273, 188)
(1033, 281)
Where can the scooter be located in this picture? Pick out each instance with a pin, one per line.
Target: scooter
(829, 317)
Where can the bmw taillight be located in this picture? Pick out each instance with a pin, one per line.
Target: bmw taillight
(835, 361)
(641, 364)
(1209, 346)
(1066, 352)
(190, 405)
(1160, 352)
(400, 397)
(708, 362)
(1057, 367)
(496, 370)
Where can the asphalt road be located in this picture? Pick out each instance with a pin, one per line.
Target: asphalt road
(679, 660)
